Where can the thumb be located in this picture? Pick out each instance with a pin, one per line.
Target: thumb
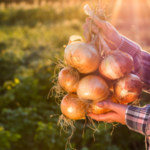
(107, 28)
(118, 108)
(100, 23)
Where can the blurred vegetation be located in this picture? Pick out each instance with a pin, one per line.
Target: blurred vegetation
(29, 39)
(8, 2)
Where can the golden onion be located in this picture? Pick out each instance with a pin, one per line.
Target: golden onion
(97, 110)
(72, 107)
(92, 88)
(116, 65)
(128, 88)
(68, 79)
(82, 56)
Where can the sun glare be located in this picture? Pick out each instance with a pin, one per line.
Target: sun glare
(116, 11)
(148, 3)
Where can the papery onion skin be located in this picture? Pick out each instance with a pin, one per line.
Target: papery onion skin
(68, 79)
(97, 110)
(82, 56)
(116, 65)
(72, 107)
(128, 88)
(92, 88)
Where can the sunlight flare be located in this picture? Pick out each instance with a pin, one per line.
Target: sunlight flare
(116, 11)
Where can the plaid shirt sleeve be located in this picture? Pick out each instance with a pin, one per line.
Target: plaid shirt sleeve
(137, 118)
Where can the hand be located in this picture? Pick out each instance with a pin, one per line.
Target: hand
(117, 114)
(108, 30)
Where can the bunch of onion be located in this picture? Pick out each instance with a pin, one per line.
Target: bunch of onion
(82, 56)
(92, 88)
(68, 79)
(97, 110)
(128, 88)
(84, 92)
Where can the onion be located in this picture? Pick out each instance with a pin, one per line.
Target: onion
(97, 110)
(72, 107)
(128, 88)
(82, 56)
(68, 79)
(92, 88)
(116, 65)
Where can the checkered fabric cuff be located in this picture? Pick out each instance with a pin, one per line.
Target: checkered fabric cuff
(128, 46)
(137, 119)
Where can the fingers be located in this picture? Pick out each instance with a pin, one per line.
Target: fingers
(119, 108)
(86, 34)
(108, 30)
(85, 27)
(100, 23)
(94, 28)
(88, 27)
(108, 117)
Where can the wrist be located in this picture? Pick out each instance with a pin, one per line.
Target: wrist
(114, 40)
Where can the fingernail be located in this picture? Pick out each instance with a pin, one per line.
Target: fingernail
(100, 104)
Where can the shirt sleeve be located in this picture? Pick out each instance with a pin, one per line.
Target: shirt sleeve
(138, 119)
(141, 59)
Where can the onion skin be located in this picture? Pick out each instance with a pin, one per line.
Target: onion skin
(68, 79)
(116, 65)
(128, 88)
(72, 107)
(82, 56)
(92, 88)
(97, 110)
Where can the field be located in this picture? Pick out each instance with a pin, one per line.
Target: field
(31, 39)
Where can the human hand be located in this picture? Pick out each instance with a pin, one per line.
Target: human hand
(107, 29)
(117, 113)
